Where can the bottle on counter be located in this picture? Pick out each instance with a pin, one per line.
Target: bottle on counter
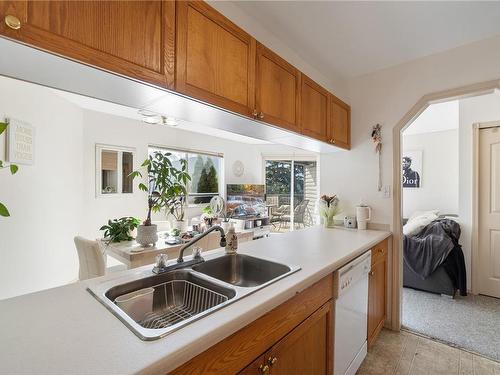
(231, 240)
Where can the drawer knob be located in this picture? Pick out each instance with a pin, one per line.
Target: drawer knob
(12, 22)
(272, 360)
(372, 273)
(255, 113)
(261, 115)
(264, 369)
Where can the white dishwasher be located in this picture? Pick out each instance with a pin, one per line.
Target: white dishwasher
(351, 313)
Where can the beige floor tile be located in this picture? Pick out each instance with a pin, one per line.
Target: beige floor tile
(483, 366)
(465, 363)
(403, 367)
(406, 354)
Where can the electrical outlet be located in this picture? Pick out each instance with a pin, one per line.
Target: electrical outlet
(386, 191)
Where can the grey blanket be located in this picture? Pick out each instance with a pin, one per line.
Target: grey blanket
(427, 250)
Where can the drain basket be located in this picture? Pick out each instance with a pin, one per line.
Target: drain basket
(178, 300)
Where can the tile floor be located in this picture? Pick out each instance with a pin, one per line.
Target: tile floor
(396, 353)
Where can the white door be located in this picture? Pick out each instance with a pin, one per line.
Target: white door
(489, 211)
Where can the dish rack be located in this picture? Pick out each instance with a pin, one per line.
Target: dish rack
(178, 300)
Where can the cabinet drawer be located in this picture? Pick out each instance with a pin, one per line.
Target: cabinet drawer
(379, 251)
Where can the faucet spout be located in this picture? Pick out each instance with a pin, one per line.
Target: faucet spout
(180, 259)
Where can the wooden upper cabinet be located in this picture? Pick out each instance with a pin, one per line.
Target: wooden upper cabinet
(215, 58)
(339, 129)
(277, 90)
(133, 38)
(314, 113)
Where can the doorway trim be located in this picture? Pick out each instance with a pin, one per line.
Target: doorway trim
(475, 200)
(425, 101)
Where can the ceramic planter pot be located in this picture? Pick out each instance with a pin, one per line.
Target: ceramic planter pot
(147, 234)
(180, 225)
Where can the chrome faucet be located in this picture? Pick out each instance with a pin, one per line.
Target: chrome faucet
(161, 267)
(180, 259)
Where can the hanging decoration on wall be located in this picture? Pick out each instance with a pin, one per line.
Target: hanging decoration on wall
(377, 140)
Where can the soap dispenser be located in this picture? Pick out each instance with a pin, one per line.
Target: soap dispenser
(231, 240)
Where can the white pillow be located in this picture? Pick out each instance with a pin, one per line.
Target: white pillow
(423, 213)
(416, 224)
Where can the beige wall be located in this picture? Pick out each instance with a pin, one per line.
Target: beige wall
(384, 97)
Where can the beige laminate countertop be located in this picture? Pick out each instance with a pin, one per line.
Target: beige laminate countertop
(65, 330)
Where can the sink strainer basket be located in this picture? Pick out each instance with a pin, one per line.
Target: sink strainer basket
(178, 300)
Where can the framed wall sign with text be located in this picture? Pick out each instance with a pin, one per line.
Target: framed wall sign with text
(20, 142)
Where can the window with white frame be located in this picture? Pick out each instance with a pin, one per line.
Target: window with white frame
(205, 169)
(113, 167)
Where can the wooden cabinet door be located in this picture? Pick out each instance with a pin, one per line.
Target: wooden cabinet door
(376, 299)
(277, 88)
(133, 38)
(308, 349)
(215, 59)
(314, 114)
(340, 123)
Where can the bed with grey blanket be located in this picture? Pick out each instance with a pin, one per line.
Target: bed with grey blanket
(433, 259)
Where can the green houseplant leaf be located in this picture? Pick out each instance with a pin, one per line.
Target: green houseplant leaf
(118, 230)
(13, 169)
(4, 211)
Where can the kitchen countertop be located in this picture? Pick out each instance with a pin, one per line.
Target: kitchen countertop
(65, 330)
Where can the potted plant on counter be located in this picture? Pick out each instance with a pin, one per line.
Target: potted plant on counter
(165, 184)
(118, 230)
(328, 209)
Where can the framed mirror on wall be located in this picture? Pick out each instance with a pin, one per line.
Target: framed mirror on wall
(113, 167)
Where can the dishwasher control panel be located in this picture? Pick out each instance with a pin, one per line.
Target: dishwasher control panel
(354, 271)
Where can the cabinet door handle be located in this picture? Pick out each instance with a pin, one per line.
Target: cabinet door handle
(12, 22)
(261, 115)
(272, 360)
(255, 113)
(372, 273)
(264, 369)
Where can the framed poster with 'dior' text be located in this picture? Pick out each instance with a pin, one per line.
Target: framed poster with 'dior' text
(20, 142)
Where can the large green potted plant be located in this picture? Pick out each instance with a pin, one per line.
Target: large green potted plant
(165, 184)
(13, 169)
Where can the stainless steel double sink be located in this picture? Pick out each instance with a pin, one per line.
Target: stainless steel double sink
(154, 305)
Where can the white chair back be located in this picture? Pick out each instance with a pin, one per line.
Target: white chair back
(91, 258)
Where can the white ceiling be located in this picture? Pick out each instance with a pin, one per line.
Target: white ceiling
(355, 38)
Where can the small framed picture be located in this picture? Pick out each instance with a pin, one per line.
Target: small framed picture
(20, 142)
(412, 169)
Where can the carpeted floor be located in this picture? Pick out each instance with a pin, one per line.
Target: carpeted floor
(471, 323)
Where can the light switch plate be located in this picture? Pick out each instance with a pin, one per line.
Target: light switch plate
(386, 191)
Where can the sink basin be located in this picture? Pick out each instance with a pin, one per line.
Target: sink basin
(154, 305)
(242, 270)
(170, 301)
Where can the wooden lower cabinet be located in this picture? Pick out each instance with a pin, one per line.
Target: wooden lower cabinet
(294, 338)
(377, 286)
(305, 350)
